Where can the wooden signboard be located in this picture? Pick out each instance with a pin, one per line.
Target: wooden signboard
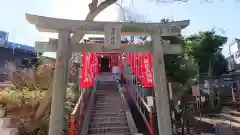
(195, 91)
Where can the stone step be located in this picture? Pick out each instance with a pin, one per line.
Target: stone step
(235, 113)
(111, 88)
(106, 120)
(107, 91)
(207, 134)
(97, 117)
(103, 93)
(106, 133)
(226, 100)
(108, 103)
(108, 124)
(108, 114)
(8, 131)
(106, 87)
(5, 122)
(108, 97)
(107, 109)
(109, 130)
(108, 100)
(110, 107)
(99, 104)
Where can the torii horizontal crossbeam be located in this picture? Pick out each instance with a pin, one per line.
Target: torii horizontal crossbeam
(47, 24)
(87, 47)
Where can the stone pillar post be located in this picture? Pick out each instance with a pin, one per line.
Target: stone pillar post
(160, 89)
(60, 84)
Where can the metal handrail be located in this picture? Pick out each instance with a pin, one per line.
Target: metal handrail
(130, 120)
(79, 118)
(88, 112)
(139, 102)
(76, 116)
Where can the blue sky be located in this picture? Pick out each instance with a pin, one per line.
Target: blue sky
(221, 14)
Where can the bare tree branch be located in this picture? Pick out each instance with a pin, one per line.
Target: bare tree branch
(94, 10)
(93, 5)
(129, 16)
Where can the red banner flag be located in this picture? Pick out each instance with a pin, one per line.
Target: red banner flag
(133, 64)
(85, 80)
(147, 71)
(137, 65)
(91, 67)
(120, 62)
(96, 70)
(141, 70)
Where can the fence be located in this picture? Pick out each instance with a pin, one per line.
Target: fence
(143, 108)
(77, 115)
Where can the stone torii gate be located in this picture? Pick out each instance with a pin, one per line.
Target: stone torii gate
(112, 32)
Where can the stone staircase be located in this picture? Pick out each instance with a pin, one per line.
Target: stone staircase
(5, 127)
(226, 101)
(108, 115)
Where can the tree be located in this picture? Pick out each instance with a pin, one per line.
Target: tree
(201, 51)
(205, 48)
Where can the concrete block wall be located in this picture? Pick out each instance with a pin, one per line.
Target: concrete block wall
(5, 127)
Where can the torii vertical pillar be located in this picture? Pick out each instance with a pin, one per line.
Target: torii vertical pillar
(60, 84)
(160, 89)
